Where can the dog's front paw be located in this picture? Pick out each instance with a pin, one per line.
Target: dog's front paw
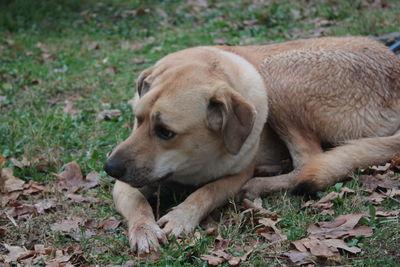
(145, 237)
(178, 221)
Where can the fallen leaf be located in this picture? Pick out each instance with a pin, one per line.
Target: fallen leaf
(338, 243)
(91, 180)
(90, 223)
(212, 260)
(44, 205)
(14, 253)
(80, 198)
(393, 213)
(25, 209)
(299, 258)
(71, 179)
(67, 225)
(380, 180)
(109, 114)
(376, 198)
(8, 182)
(257, 206)
(393, 192)
(32, 187)
(109, 224)
(23, 163)
(6, 198)
(324, 239)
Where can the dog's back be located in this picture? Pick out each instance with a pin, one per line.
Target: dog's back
(330, 91)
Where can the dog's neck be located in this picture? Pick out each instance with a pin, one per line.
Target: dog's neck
(250, 84)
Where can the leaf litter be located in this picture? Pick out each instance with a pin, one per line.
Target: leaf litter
(70, 181)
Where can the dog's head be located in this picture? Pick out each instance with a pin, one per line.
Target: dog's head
(188, 116)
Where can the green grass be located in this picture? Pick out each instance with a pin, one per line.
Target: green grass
(33, 124)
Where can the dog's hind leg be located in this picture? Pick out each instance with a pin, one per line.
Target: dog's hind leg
(301, 148)
(144, 233)
(332, 166)
(262, 186)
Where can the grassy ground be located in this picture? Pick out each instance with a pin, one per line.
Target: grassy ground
(90, 53)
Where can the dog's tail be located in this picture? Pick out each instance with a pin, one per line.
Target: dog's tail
(330, 167)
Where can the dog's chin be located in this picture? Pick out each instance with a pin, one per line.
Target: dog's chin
(144, 182)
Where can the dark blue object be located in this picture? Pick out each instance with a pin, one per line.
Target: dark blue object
(395, 46)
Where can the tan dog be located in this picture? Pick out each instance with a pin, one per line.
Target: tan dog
(202, 120)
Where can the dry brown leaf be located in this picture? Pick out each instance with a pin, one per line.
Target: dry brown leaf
(299, 258)
(23, 163)
(212, 260)
(393, 192)
(32, 187)
(109, 114)
(376, 198)
(24, 209)
(14, 253)
(345, 189)
(68, 225)
(90, 223)
(318, 248)
(343, 225)
(393, 213)
(324, 238)
(257, 206)
(44, 205)
(328, 198)
(380, 180)
(6, 198)
(80, 198)
(9, 182)
(71, 179)
(91, 180)
(109, 224)
(276, 237)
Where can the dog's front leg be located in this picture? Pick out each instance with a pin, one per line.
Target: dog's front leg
(185, 217)
(144, 233)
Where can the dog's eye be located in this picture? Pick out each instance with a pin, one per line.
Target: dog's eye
(164, 133)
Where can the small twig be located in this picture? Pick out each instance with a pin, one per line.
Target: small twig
(11, 219)
(392, 198)
(158, 202)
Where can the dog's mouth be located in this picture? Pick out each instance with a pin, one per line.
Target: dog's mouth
(139, 184)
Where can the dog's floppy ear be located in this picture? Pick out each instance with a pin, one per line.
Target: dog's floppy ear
(232, 116)
(143, 86)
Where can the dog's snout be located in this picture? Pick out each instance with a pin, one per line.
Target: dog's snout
(115, 168)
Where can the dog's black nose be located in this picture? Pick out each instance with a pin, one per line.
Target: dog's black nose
(114, 168)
